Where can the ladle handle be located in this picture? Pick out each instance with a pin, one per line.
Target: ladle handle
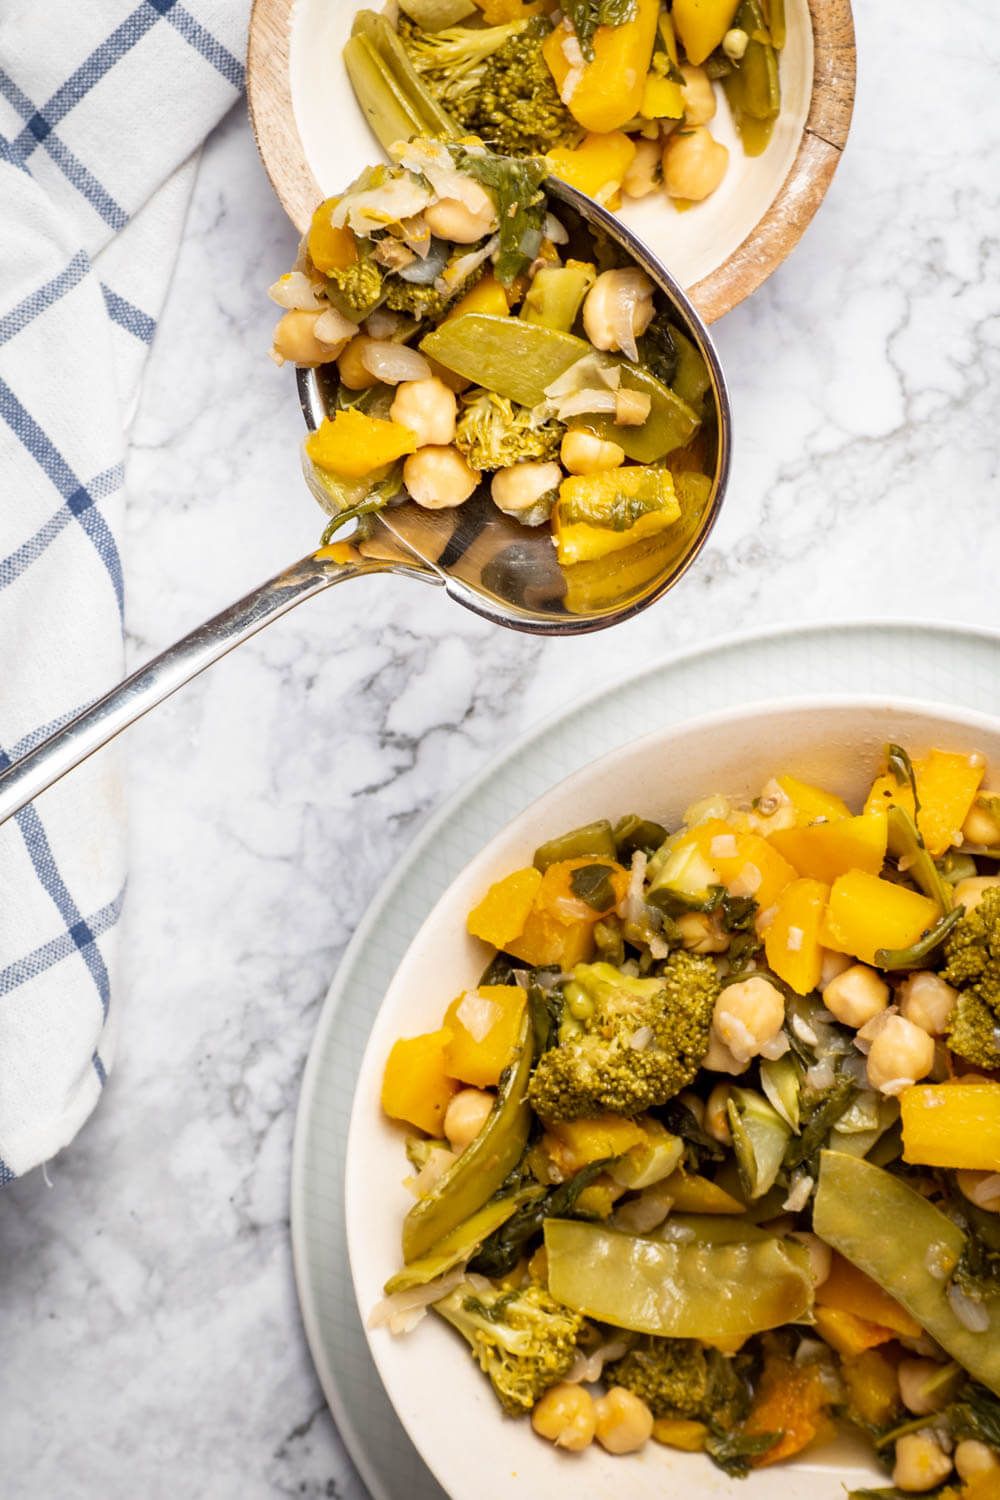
(135, 695)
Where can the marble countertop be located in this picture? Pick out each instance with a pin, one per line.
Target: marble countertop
(149, 1330)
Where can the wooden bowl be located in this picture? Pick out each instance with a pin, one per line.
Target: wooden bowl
(313, 140)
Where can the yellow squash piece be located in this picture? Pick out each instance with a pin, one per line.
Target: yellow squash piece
(865, 914)
(952, 1125)
(811, 802)
(484, 1026)
(578, 542)
(847, 1333)
(872, 1387)
(487, 296)
(560, 927)
(353, 445)
(850, 1290)
(791, 942)
(501, 914)
(606, 93)
(572, 1144)
(946, 785)
(701, 25)
(691, 1194)
(596, 166)
(416, 1086)
(792, 1399)
(823, 851)
(676, 1432)
(662, 98)
(748, 864)
(330, 249)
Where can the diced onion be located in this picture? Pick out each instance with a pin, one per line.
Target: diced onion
(641, 1038)
(383, 323)
(640, 1215)
(723, 846)
(820, 1076)
(632, 408)
(804, 1031)
(333, 328)
(774, 1048)
(373, 208)
(393, 363)
(461, 269)
(404, 1310)
(799, 1195)
(795, 939)
(970, 1313)
(297, 293)
(939, 1261)
(631, 907)
(747, 882)
(554, 230)
(477, 1014)
(588, 1368)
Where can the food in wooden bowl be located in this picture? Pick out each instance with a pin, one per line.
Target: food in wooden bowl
(475, 342)
(618, 96)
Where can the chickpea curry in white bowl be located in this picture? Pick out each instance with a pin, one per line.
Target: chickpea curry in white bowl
(695, 1108)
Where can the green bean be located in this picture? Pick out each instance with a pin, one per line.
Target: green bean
(460, 1244)
(392, 96)
(677, 1290)
(592, 838)
(483, 1166)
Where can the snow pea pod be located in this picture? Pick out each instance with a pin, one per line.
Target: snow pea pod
(677, 1290)
(461, 1243)
(520, 360)
(899, 1239)
(483, 1166)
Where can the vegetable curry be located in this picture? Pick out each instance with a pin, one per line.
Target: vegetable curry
(711, 1155)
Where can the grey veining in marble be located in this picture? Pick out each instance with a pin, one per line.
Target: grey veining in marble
(148, 1325)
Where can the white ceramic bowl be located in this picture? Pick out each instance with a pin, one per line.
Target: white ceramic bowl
(445, 1404)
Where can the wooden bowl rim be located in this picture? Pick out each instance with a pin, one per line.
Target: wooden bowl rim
(775, 234)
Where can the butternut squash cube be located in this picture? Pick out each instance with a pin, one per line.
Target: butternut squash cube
(822, 851)
(416, 1086)
(865, 914)
(748, 864)
(701, 25)
(560, 926)
(952, 1125)
(352, 444)
(811, 802)
(484, 1025)
(608, 91)
(848, 1334)
(792, 942)
(572, 1144)
(596, 166)
(501, 914)
(791, 1399)
(872, 1387)
(487, 296)
(330, 249)
(946, 785)
(850, 1290)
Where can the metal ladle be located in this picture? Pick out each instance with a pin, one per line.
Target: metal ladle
(485, 561)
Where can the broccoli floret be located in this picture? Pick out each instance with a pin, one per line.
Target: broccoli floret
(523, 1340)
(641, 1044)
(418, 301)
(681, 1378)
(494, 433)
(972, 964)
(359, 288)
(494, 82)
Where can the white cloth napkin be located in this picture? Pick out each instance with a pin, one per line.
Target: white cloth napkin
(103, 106)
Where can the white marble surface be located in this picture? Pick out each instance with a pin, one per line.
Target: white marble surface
(148, 1325)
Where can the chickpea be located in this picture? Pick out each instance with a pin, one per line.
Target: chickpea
(699, 95)
(644, 170)
(921, 1462)
(973, 1458)
(981, 1188)
(353, 373)
(566, 1415)
(968, 893)
(694, 163)
(522, 486)
(439, 478)
(451, 219)
(900, 1053)
(585, 453)
(747, 1015)
(716, 1115)
(927, 1001)
(467, 1113)
(295, 339)
(856, 996)
(981, 826)
(614, 293)
(428, 408)
(917, 1389)
(699, 934)
(820, 1255)
(735, 43)
(624, 1422)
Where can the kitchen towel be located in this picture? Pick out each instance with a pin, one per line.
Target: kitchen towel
(103, 107)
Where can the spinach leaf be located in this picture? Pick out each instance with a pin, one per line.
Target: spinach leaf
(593, 884)
(501, 1251)
(521, 206)
(586, 15)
